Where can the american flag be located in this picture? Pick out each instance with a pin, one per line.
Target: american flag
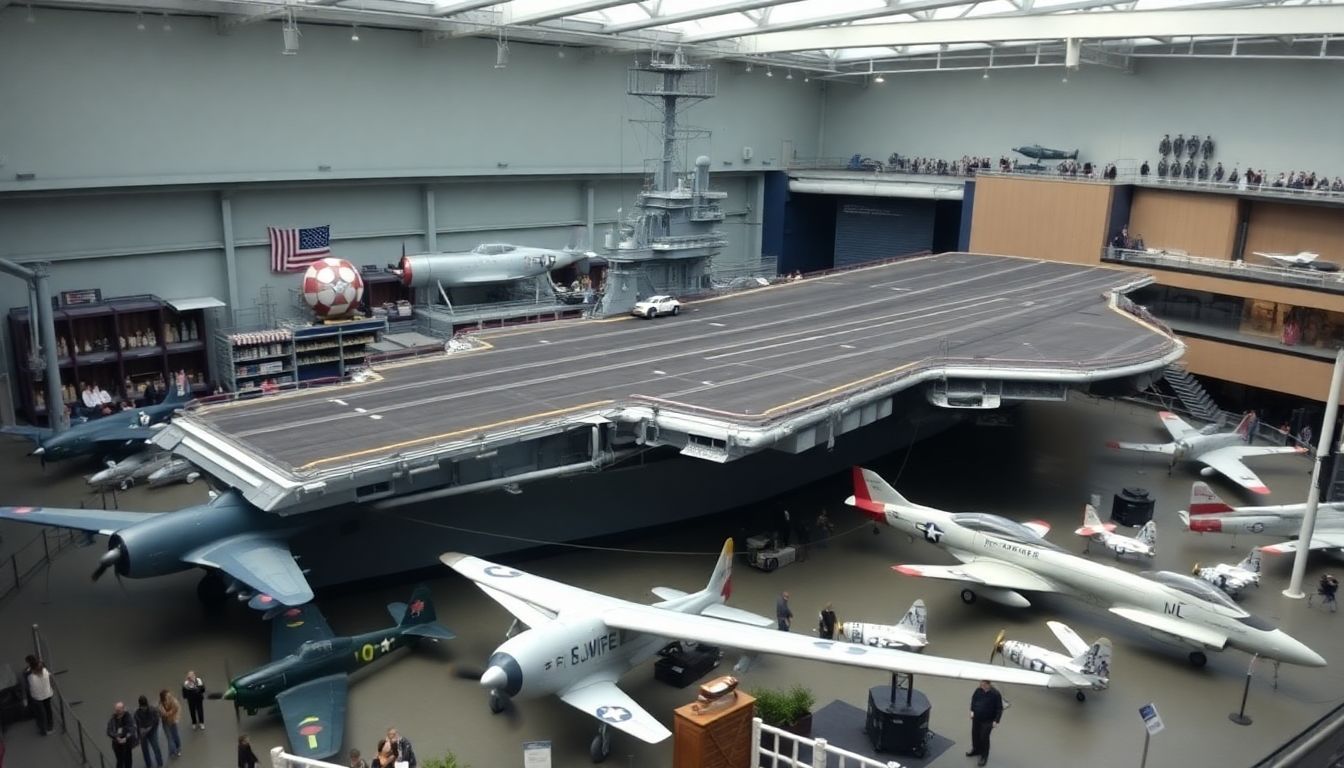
(292, 250)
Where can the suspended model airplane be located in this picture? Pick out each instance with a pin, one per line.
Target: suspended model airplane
(910, 633)
(308, 676)
(226, 536)
(1037, 152)
(1143, 545)
(126, 430)
(486, 263)
(1000, 559)
(580, 643)
(1232, 579)
(1086, 667)
(1299, 259)
(1219, 451)
(1208, 513)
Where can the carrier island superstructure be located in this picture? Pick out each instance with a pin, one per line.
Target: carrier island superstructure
(571, 430)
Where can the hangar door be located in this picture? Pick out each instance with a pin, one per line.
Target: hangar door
(872, 228)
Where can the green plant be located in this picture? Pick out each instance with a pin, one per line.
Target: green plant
(782, 708)
(449, 760)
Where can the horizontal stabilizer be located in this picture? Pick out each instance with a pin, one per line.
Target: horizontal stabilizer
(667, 593)
(435, 631)
(729, 613)
(1167, 448)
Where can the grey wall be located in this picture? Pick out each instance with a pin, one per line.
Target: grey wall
(1275, 115)
(88, 99)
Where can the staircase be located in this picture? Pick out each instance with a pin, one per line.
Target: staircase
(1192, 394)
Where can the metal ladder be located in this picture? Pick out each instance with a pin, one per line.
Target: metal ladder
(1191, 393)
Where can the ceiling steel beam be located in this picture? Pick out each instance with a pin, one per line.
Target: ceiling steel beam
(722, 9)
(512, 15)
(1283, 20)
(892, 8)
(450, 9)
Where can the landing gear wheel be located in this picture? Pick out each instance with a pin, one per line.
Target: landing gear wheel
(600, 748)
(676, 311)
(1080, 696)
(210, 590)
(967, 596)
(498, 702)
(1198, 659)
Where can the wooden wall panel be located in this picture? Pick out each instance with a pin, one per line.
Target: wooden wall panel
(1040, 218)
(1199, 224)
(1258, 368)
(1289, 228)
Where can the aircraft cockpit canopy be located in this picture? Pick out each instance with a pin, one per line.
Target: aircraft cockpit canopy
(1197, 588)
(492, 249)
(1001, 527)
(314, 648)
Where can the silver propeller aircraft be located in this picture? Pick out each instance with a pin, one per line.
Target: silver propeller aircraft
(1208, 513)
(911, 632)
(579, 643)
(1299, 259)
(1232, 579)
(1142, 545)
(1001, 558)
(1086, 666)
(486, 263)
(1218, 451)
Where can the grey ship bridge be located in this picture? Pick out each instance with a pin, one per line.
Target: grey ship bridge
(788, 368)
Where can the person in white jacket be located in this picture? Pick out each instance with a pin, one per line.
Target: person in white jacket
(37, 679)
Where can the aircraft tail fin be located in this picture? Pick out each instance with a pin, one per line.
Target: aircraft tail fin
(721, 581)
(1251, 562)
(1244, 426)
(1203, 500)
(1091, 519)
(1148, 534)
(871, 493)
(916, 619)
(1096, 660)
(1072, 155)
(417, 617)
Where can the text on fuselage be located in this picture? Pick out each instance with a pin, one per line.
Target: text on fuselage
(587, 651)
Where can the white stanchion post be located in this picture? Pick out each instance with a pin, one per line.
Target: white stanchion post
(1294, 589)
(277, 757)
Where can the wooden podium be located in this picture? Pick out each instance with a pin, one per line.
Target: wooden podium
(719, 739)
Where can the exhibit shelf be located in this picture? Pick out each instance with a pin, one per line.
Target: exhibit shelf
(297, 352)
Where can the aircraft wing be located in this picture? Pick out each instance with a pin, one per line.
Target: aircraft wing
(522, 610)
(551, 596)
(260, 562)
(36, 434)
(293, 627)
(101, 521)
(314, 714)
(1227, 461)
(1172, 626)
(671, 624)
(1167, 448)
(1176, 425)
(1327, 540)
(994, 573)
(124, 433)
(1072, 643)
(604, 700)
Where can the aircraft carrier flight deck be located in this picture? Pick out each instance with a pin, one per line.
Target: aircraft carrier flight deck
(729, 376)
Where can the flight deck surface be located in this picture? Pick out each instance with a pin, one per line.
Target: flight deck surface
(742, 361)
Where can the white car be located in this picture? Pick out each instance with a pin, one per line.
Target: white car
(655, 306)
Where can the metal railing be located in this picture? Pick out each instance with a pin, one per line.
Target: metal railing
(282, 759)
(822, 754)
(1152, 180)
(27, 560)
(1236, 270)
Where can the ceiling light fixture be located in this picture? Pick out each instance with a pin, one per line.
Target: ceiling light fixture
(985, 76)
(31, 19)
(290, 32)
(789, 76)
(879, 79)
(560, 53)
(769, 72)
(140, 21)
(1064, 79)
(354, 33)
(807, 79)
(167, 26)
(748, 66)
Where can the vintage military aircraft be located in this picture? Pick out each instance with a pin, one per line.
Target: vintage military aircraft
(130, 470)
(175, 471)
(1208, 513)
(1142, 545)
(1219, 451)
(1037, 152)
(1001, 558)
(579, 643)
(1299, 259)
(486, 263)
(307, 677)
(126, 431)
(1232, 579)
(226, 536)
(1088, 667)
(911, 632)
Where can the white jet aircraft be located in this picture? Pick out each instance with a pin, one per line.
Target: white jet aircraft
(1001, 558)
(911, 632)
(1087, 666)
(1299, 259)
(1208, 513)
(1143, 545)
(1218, 451)
(1232, 579)
(579, 643)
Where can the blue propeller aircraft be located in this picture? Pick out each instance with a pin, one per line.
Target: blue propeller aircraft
(116, 432)
(307, 680)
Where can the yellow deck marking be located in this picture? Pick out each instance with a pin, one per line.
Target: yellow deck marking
(841, 387)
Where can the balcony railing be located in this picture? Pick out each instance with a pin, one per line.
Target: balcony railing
(1128, 175)
(1297, 277)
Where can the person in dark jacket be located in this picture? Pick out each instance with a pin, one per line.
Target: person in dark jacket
(401, 748)
(246, 757)
(121, 730)
(986, 709)
(193, 692)
(826, 628)
(147, 728)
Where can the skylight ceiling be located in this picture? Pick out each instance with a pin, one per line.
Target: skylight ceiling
(837, 38)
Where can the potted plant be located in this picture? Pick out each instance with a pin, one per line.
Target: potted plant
(449, 760)
(789, 709)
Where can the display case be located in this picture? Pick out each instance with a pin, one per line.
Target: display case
(119, 344)
(331, 350)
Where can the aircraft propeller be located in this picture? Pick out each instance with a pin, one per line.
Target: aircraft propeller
(998, 645)
(1195, 571)
(217, 695)
(111, 557)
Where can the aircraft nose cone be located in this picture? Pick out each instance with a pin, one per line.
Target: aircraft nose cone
(231, 693)
(494, 679)
(1293, 651)
(39, 450)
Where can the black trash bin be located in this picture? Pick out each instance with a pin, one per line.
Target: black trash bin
(1132, 507)
(896, 726)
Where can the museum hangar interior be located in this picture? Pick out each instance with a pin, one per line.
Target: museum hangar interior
(791, 174)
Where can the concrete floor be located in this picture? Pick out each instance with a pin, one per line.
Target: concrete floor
(119, 641)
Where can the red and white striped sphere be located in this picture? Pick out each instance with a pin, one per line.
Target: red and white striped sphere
(332, 287)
